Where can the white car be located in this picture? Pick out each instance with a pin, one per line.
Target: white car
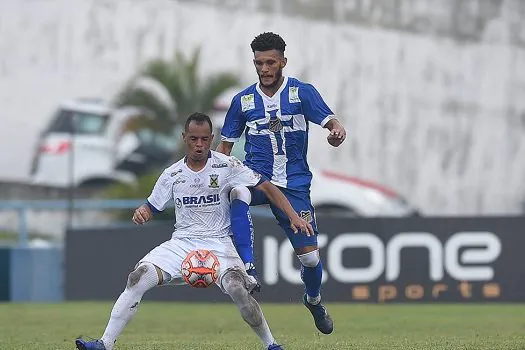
(87, 144)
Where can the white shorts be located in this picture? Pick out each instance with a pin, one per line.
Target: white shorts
(169, 256)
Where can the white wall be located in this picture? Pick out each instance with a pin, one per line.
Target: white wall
(440, 121)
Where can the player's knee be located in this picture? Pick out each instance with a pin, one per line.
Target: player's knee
(241, 193)
(233, 284)
(310, 259)
(145, 275)
(135, 275)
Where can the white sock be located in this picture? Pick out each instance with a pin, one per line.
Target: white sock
(264, 333)
(127, 303)
(233, 284)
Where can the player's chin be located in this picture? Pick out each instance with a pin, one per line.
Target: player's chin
(198, 155)
(268, 82)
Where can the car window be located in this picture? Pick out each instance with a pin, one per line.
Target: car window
(79, 122)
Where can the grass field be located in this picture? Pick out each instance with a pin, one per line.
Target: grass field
(163, 326)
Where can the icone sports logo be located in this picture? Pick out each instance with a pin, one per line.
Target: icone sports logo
(464, 256)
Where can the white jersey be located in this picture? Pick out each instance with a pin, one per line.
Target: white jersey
(202, 204)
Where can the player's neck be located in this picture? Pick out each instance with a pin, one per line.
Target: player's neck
(270, 91)
(196, 165)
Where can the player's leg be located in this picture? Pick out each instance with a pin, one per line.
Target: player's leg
(161, 265)
(308, 253)
(143, 278)
(234, 281)
(241, 222)
(242, 226)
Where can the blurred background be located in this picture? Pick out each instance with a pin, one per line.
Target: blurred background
(93, 94)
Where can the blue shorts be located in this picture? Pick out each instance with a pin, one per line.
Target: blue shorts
(300, 201)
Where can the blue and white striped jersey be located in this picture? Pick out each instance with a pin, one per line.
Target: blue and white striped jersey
(277, 130)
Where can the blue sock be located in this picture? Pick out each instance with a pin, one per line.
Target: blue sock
(312, 277)
(242, 228)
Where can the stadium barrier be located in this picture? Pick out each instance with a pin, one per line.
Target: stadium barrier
(365, 260)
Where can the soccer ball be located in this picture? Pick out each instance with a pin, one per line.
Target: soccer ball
(200, 268)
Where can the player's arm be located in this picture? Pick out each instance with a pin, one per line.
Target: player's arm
(233, 127)
(225, 147)
(157, 200)
(278, 199)
(318, 112)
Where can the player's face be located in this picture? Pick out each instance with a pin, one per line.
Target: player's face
(269, 65)
(198, 140)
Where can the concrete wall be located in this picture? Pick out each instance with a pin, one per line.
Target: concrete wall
(432, 94)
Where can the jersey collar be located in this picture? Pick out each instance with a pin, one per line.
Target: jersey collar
(277, 93)
(186, 157)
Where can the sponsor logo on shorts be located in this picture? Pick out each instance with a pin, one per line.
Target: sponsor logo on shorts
(306, 215)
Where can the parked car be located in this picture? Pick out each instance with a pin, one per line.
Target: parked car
(87, 144)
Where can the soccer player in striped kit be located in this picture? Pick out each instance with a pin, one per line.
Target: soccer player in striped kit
(275, 114)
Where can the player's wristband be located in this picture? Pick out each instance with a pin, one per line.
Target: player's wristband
(153, 209)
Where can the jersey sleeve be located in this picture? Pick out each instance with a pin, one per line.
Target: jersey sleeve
(241, 175)
(314, 107)
(162, 192)
(234, 122)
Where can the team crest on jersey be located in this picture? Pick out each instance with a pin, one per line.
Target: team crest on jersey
(247, 102)
(178, 203)
(293, 94)
(214, 181)
(275, 125)
(306, 215)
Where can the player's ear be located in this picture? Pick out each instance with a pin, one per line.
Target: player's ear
(283, 62)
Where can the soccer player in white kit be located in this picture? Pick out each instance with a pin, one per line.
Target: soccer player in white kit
(200, 185)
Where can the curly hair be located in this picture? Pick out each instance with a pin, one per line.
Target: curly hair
(268, 41)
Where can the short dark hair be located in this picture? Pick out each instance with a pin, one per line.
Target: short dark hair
(198, 118)
(268, 41)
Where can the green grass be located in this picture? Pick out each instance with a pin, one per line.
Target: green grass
(163, 326)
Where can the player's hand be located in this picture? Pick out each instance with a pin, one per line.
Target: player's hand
(299, 224)
(337, 135)
(142, 214)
